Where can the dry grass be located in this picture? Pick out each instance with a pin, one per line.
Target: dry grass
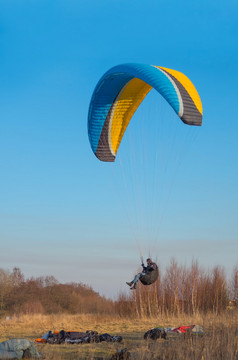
(219, 342)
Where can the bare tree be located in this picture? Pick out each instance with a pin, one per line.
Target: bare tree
(5, 289)
(234, 285)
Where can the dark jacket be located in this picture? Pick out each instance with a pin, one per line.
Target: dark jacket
(149, 268)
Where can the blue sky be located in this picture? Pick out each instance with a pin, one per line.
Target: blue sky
(63, 212)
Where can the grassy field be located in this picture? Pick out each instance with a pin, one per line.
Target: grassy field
(220, 340)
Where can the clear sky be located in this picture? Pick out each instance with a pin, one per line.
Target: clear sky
(62, 211)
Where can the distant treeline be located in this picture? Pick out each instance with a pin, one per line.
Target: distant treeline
(179, 290)
(47, 296)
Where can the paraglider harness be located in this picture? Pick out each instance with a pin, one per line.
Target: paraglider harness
(150, 273)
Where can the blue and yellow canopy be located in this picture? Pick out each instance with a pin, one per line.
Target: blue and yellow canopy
(119, 93)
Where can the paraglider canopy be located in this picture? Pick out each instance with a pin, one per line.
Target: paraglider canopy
(119, 93)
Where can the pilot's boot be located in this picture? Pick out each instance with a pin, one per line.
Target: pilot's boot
(133, 287)
(130, 283)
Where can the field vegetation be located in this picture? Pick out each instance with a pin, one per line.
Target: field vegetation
(182, 296)
(220, 340)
